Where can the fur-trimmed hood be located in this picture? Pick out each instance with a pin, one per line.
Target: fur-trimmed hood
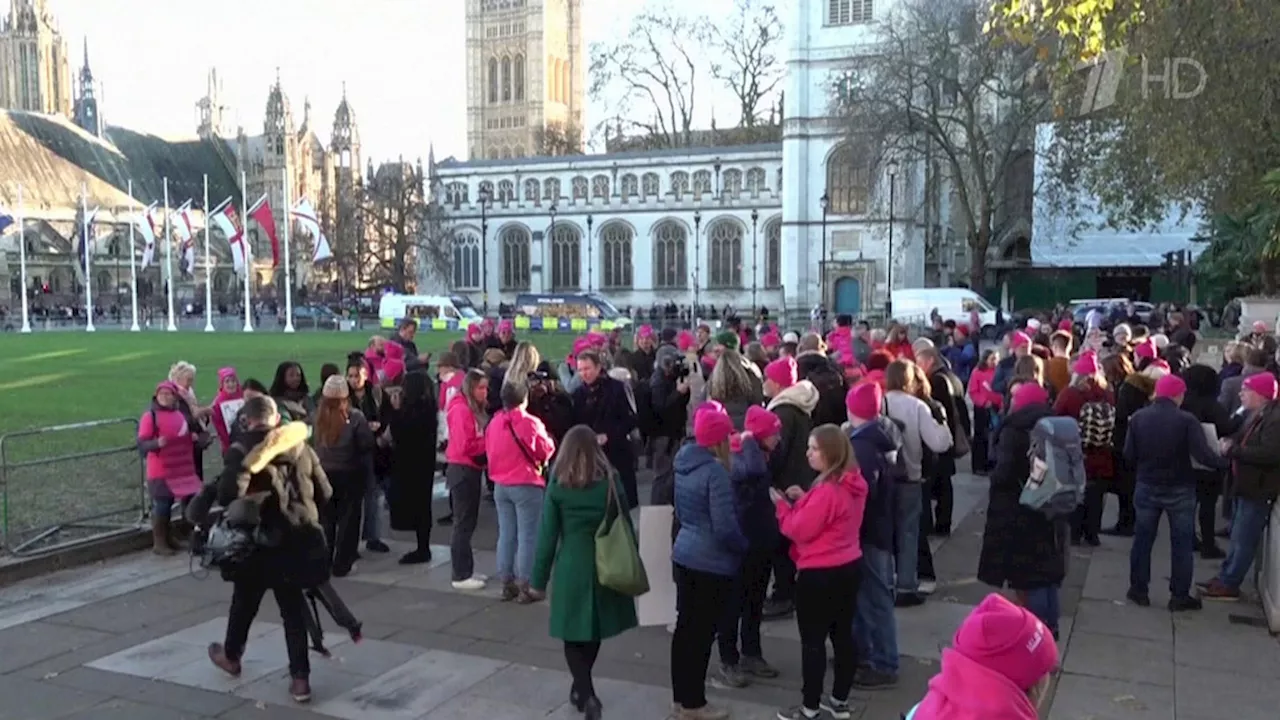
(284, 465)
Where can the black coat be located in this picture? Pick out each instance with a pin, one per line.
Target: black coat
(948, 391)
(1021, 548)
(413, 427)
(1132, 395)
(788, 463)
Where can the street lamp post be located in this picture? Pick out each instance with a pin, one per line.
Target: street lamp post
(697, 253)
(825, 201)
(485, 199)
(888, 298)
(755, 217)
(590, 248)
(548, 247)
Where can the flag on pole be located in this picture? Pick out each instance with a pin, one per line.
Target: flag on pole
(306, 216)
(261, 214)
(6, 219)
(181, 222)
(85, 238)
(147, 223)
(227, 220)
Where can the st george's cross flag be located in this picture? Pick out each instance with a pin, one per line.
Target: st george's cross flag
(261, 214)
(146, 223)
(184, 227)
(305, 215)
(227, 220)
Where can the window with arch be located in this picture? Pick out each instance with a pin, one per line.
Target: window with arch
(731, 183)
(532, 191)
(600, 187)
(566, 82)
(493, 80)
(701, 183)
(486, 192)
(615, 251)
(103, 283)
(848, 182)
(506, 79)
(724, 255)
(506, 153)
(649, 185)
(630, 186)
(466, 262)
(778, 182)
(580, 187)
(755, 181)
(566, 258)
(679, 184)
(773, 255)
(670, 261)
(517, 71)
(518, 152)
(553, 80)
(455, 194)
(514, 242)
(551, 189)
(506, 192)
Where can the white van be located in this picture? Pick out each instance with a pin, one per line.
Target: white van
(951, 303)
(425, 308)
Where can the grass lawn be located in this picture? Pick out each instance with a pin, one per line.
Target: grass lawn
(63, 378)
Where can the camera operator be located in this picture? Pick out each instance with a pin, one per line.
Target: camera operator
(549, 402)
(669, 392)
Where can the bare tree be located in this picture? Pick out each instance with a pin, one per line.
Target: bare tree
(939, 91)
(651, 76)
(558, 139)
(393, 214)
(749, 67)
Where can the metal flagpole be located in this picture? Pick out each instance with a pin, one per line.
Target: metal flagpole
(133, 262)
(288, 274)
(168, 257)
(88, 270)
(208, 264)
(22, 266)
(246, 253)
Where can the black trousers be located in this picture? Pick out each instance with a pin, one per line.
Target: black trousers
(1086, 522)
(246, 598)
(342, 520)
(979, 454)
(1208, 488)
(581, 658)
(784, 573)
(465, 492)
(744, 610)
(825, 603)
(700, 599)
(942, 492)
(924, 553)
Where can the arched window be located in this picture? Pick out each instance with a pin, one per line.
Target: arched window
(517, 70)
(506, 192)
(532, 191)
(630, 186)
(566, 83)
(493, 80)
(732, 183)
(779, 180)
(518, 152)
(679, 184)
(455, 194)
(615, 249)
(553, 81)
(755, 181)
(103, 283)
(670, 262)
(551, 189)
(515, 259)
(773, 255)
(701, 184)
(724, 255)
(566, 258)
(486, 194)
(848, 182)
(649, 185)
(580, 188)
(506, 79)
(493, 153)
(600, 187)
(466, 262)
(506, 153)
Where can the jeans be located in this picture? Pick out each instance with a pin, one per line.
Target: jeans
(519, 509)
(825, 601)
(875, 631)
(908, 497)
(581, 658)
(745, 610)
(700, 598)
(246, 597)
(161, 499)
(464, 489)
(1247, 525)
(372, 531)
(342, 520)
(1179, 503)
(1044, 603)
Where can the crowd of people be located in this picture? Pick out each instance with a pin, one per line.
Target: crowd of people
(806, 472)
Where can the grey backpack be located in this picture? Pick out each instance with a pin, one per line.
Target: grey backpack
(1055, 485)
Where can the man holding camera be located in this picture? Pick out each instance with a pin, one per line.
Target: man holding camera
(669, 391)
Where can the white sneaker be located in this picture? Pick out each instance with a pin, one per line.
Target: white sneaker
(928, 587)
(480, 577)
(471, 583)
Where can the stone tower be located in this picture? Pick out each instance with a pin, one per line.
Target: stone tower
(526, 77)
(35, 71)
(278, 153)
(344, 145)
(85, 112)
(212, 111)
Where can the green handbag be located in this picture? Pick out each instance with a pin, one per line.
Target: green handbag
(618, 564)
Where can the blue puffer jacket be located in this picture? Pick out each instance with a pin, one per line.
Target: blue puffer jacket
(749, 473)
(875, 446)
(710, 537)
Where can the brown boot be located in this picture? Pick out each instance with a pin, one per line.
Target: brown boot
(300, 690)
(529, 596)
(218, 656)
(179, 535)
(160, 537)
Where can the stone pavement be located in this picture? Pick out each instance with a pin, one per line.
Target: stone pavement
(126, 639)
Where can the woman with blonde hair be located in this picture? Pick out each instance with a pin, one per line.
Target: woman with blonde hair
(183, 375)
(344, 443)
(580, 491)
(466, 418)
(524, 362)
(733, 385)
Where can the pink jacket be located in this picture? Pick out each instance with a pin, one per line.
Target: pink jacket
(453, 384)
(465, 439)
(965, 690)
(825, 523)
(219, 424)
(980, 389)
(174, 464)
(508, 464)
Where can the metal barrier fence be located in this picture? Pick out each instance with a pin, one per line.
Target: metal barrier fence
(67, 485)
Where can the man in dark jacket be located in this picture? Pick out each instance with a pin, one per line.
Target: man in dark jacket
(1160, 445)
(1180, 333)
(405, 333)
(1254, 454)
(669, 404)
(601, 404)
(826, 376)
(1019, 345)
(947, 391)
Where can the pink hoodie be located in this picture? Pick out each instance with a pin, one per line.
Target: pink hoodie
(174, 464)
(219, 424)
(980, 389)
(824, 524)
(967, 690)
(465, 439)
(508, 464)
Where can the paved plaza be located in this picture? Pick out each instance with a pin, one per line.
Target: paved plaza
(126, 639)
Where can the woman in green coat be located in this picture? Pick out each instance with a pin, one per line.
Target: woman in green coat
(583, 613)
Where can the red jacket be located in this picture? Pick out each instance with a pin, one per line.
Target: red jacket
(824, 525)
(1099, 463)
(517, 464)
(465, 439)
(980, 391)
(901, 351)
